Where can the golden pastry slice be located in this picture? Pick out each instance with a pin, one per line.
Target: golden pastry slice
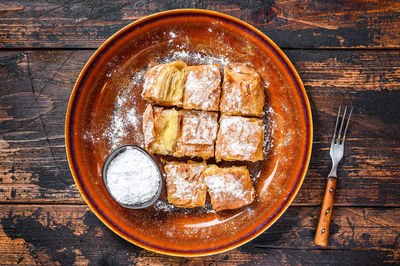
(240, 138)
(202, 88)
(229, 188)
(242, 91)
(185, 184)
(197, 135)
(160, 129)
(164, 83)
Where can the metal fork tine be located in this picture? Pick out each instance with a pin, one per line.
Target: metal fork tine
(337, 122)
(341, 125)
(347, 124)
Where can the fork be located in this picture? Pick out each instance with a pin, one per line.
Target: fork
(336, 153)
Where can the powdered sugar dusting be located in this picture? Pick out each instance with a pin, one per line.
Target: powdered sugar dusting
(117, 129)
(172, 35)
(199, 127)
(149, 83)
(202, 88)
(240, 137)
(225, 186)
(185, 182)
(120, 120)
(270, 127)
(132, 118)
(90, 137)
(162, 205)
(243, 91)
(197, 58)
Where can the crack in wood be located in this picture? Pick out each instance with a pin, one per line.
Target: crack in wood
(52, 153)
(56, 72)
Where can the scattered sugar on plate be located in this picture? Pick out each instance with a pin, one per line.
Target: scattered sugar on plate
(164, 206)
(120, 122)
(197, 58)
(172, 34)
(270, 127)
(132, 177)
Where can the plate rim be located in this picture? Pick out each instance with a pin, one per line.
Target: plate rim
(291, 194)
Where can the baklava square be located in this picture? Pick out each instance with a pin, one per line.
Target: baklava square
(239, 138)
(163, 84)
(160, 128)
(242, 91)
(202, 88)
(197, 135)
(185, 184)
(229, 188)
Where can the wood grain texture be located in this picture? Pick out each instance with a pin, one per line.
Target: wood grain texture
(33, 99)
(45, 221)
(36, 86)
(31, 234)
(291, 24)
(322, 233)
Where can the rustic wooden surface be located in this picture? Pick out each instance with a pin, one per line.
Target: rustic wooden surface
(292, 24)
(346, 52)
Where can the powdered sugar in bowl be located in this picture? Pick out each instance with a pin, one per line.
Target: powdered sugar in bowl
(132, 177)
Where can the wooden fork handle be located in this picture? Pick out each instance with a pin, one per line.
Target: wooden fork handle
(321, 236)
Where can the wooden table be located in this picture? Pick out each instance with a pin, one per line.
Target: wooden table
(346, 52)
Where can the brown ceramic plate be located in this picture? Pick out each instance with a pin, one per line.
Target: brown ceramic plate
(105, 109)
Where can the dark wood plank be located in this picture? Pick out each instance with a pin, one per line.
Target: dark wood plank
(36, 86)
(369, 81)
(33, 101)
(291, 24)
(63, 234)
